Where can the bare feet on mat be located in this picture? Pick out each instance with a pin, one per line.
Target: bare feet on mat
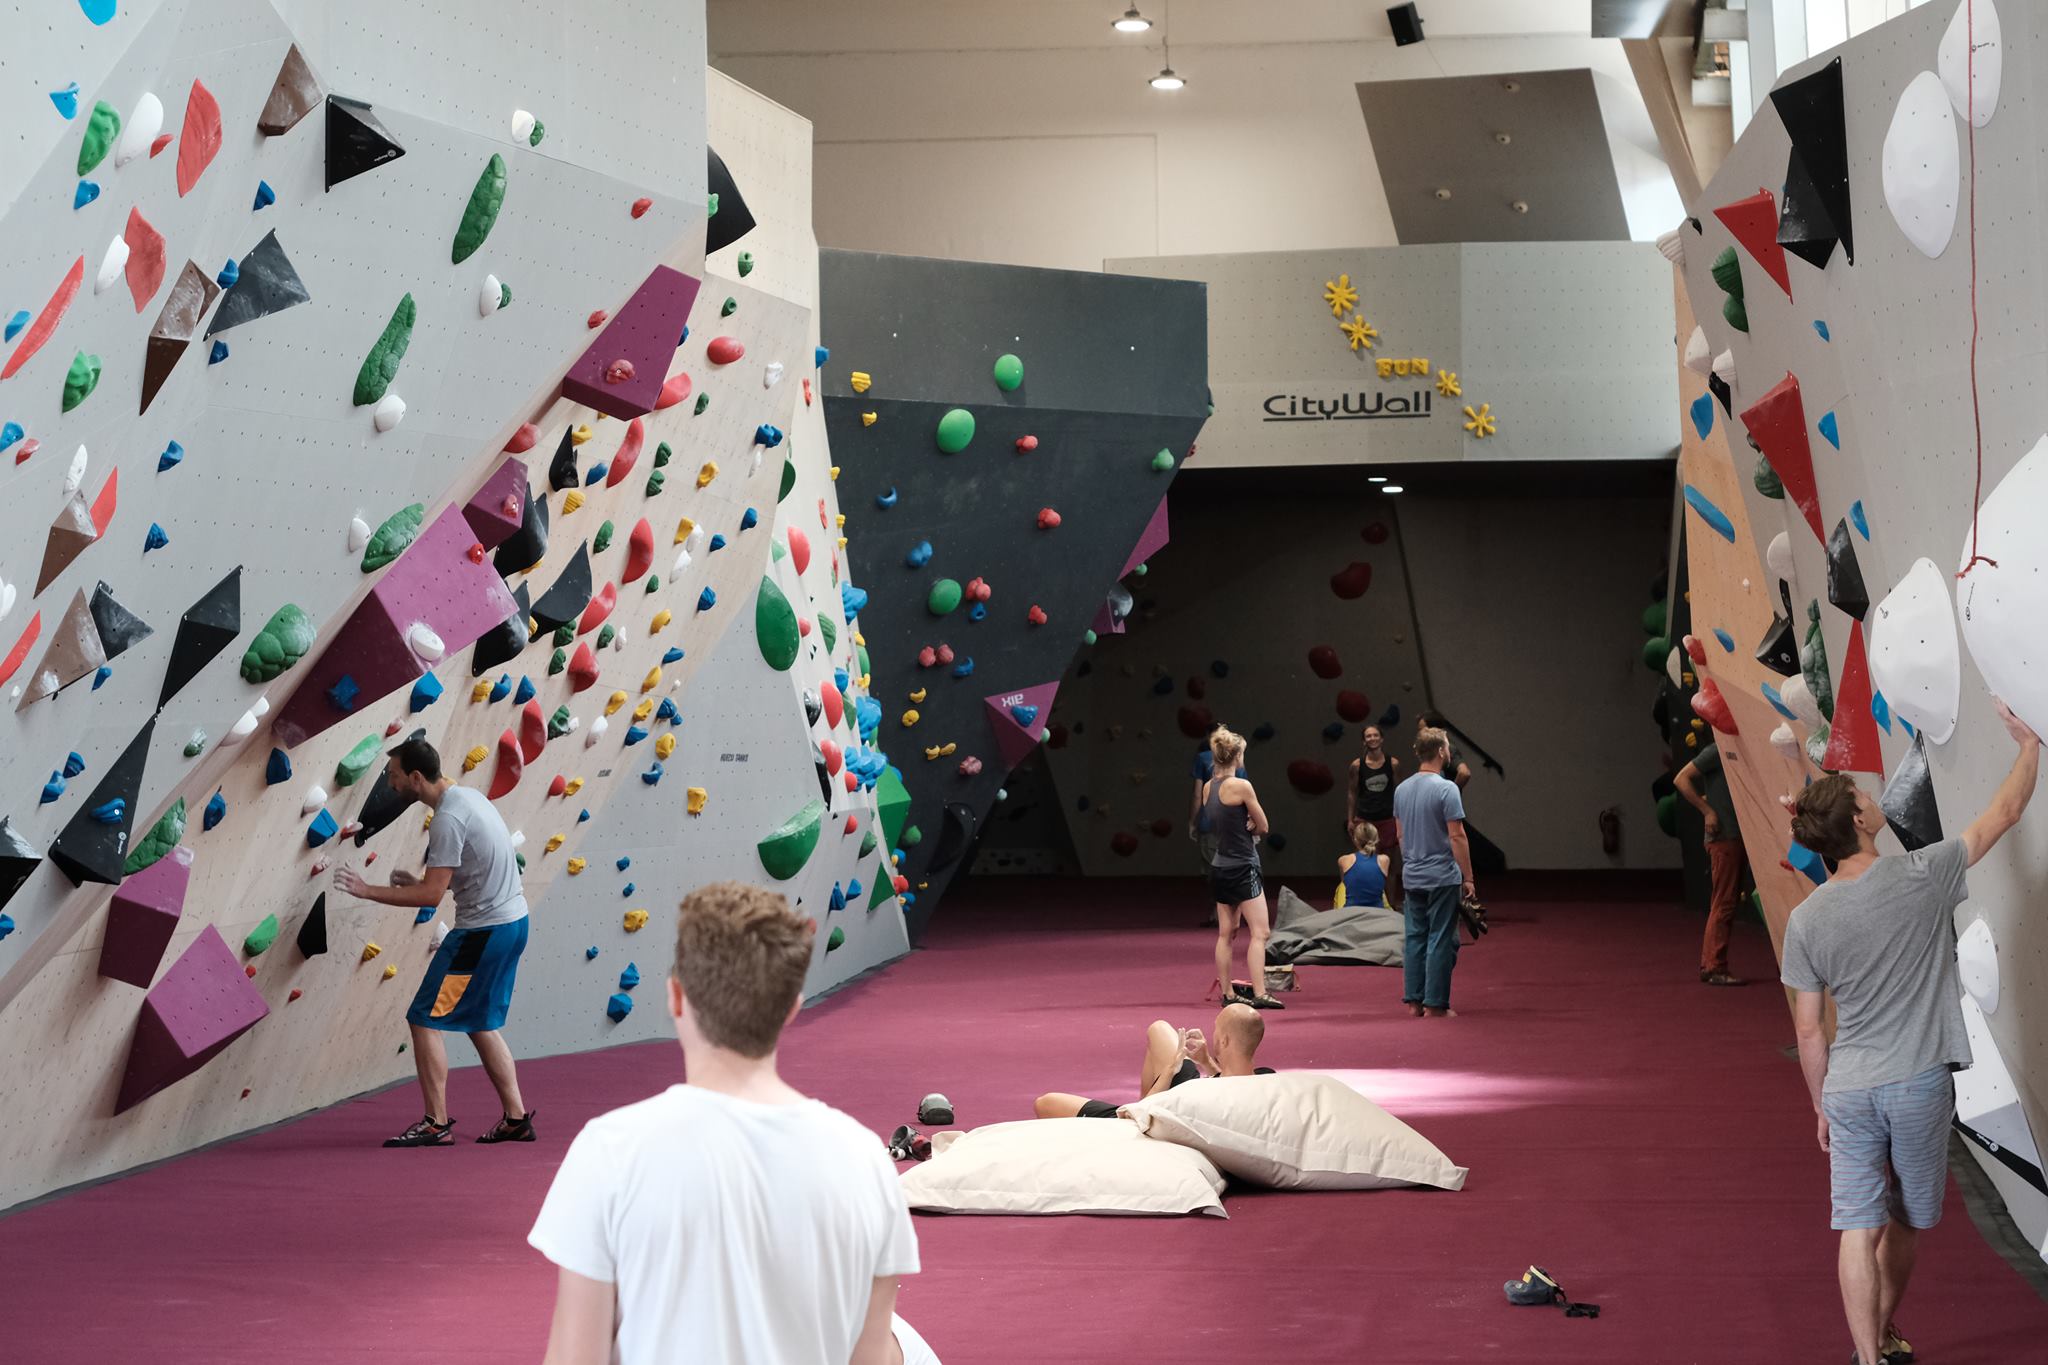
(1412, 1007)
(1432, 1012)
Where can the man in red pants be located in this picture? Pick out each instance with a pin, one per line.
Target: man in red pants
(1702, 783)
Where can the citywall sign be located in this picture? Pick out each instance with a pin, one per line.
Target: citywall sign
(1372, 405)
(1362, 406)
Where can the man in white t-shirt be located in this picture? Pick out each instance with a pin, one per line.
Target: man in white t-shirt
(727, 1219)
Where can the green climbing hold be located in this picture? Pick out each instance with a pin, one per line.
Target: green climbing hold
(892, 805)
(565, 634)
(1656, 650)
(662, 455)
(1727, 270)
(912, 837)
(828, 630)
(1667, 813)
(100, 131)
(1654, 618)
(655, 479)
(163, 836)
(504, 294)
(603, 540)
(703, 402)
(380, 366)
(860, 652)
(788, 479)
(261, 937)
(282, 642)
(711, 204)
(838, 938)
(867, 842)
(196, 745)
(557, 661)
(653, 582)
(746, 264)
(1009, 373)
(785, 852)
(1088, 637)
(775, 627)
(775, 551)
(1767, 481)
(81, 379)
(1141, 570)
(1163, 461)
(956, 429)
(558, 723)
(944, 596)
(606, 635)
(519, 858)
(1813, 663)
(358, 760)
(729, 307)
(399, 530)
(1736, 312)
(482, 213)
(540, 130)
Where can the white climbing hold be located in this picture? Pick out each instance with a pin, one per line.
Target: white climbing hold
(772, 375)
(1914, 659)
(1785, 742)
(619, 640)
(2003, 602)
(145, 121)
(246, 726)
(425, 642)
(1798, 699)
(518, 838)
(1779, 555)
(1975, 26)
(597, 729)
(389, 413)
(522, 125)
(1699, 357)
(1922, 168)
(316, 797)
(1724, 368)
(111, 266)
(682, 563)
(1977, 964)
(7, 595)
(74, 477)
(1674, 663)
(489, 296)
(440, 931)
(1672, 246)
(358, 534)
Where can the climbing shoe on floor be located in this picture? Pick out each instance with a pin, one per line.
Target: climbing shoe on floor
(1261, 1002)
(1721, 979)
(934, 1109)
(1538, 1287)
(907, 1144)
(425, 1133)
(511, 1130)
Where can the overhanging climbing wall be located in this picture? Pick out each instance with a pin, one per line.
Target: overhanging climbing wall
(1010, 435)
(1837, 308)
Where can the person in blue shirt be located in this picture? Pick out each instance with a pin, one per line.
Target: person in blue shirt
(1436, 869)
(1362, 874)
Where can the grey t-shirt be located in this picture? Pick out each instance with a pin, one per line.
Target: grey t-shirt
(1425, 805)
(1885, 944)
(470, 836)
(1714, 790)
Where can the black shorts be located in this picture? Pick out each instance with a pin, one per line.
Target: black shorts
(1103, 1109)
(1234, 885)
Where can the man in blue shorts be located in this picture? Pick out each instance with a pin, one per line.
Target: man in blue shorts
(468, 985)
(1880, 936)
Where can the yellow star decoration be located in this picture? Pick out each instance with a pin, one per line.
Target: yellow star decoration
(1480, 422)
(1339, 294)
(1447, 383)
(1360, 333)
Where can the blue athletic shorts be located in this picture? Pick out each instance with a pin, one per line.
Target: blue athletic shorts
(1888, 1150)
(468, 985)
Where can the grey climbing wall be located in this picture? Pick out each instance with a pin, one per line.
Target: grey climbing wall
(1112, 396)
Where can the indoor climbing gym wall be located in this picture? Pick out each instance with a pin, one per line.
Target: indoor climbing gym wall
(397, 436)
(1868, 569)
(1011, 434)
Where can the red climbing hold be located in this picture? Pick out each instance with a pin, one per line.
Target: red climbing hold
(522, 439)
(641, 205)
(1777, 423)
(619, 371)
(476, 552)
(145, 267)
(582, 668)
(724, 350)
(1309, 777)
(46, 321)
(639, 551)
(1695, 649)
(628, 456)
(1161, 828)
(970, 766)
(832, 754)
(26, 449)
(296, 993)
(899, 883)
(533, 730)
(1354, 706)
(1352, 582)
(852, 825)
(600, 607)
(945, 654)
(807, 393)
(927, 656)
(852, 782)
(103, 505)
(1036, 616)
(976, 590)
(1123, 843)
(558, 787)
(391, 728)
(1710, 706)
(835, 705)
(21, 647)
(1375, 533)
(673, 391)
(1323, 662)
(1048, 519)
(1853, 743)
(200, 138)
(1195, 720)
(1754, 224)
(510, 766)
(799, 548)
(1198, 688)
(803, 627)
(158, 143)
(596, 319)
(250, 972)
(1026, 444)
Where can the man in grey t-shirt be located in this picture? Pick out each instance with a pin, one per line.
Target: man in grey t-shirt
(1880, 936)
(468, 985)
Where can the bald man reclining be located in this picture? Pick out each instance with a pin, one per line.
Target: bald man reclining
(1174, 1056)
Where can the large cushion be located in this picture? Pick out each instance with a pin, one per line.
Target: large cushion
(1294, 1131)
(1063, 1166)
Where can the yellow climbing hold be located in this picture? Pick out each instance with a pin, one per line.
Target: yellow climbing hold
(1339, 294)
(475, 756)
(835, 473)
(1360, 333)
(664, 746)
(578, 436)
(860, 639)
(576, 865)
(867, 419)
(661, 618)
(370, 950)
(937, 751)
(696, 797)
(614, 702)
(427, 822)
(910, 718)
(481, 691)
(707, 473)
(390, 971)
(652, 680)
(644, 709)
(1447, 384)
(1480, 422)
(842, 520)
(917, 695)
(636, 920)
(555, 841)
(573, 501)
(860, 379)
(683, 530)
(575, 785)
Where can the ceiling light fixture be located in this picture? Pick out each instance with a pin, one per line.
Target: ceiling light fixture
(1392, 488)
(1375, 478)
(1131, 22)
(1168, 78)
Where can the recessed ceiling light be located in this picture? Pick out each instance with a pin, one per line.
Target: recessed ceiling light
(1520, 206)
(1376, 478)
(1131, 22)
(1392, 488)
(1442, 194)
(1167, 79)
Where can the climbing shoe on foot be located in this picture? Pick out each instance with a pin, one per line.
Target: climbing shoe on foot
(1261, 1002)
(425, 1133)
(934, 1109)
(511, 1130)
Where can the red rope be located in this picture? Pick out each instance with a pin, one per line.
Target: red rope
(1976, 411)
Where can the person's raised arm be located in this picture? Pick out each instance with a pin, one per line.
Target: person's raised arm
(2013, 793)
(877, 1344)
(1813, 1051)
(414, 892)
(1461, 849)
(582, 1330)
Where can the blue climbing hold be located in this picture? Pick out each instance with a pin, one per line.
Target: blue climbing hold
(321, 830)
(768, 434)
(819, 355)
(717, 543)
(667, 711)
(502, 688)
(73, 764)
(1805, 860)
(652, 775)
(625, 861)
(1162, 686)
(1080, 803)
(685, 336)
(112, 813)
(216, 811)
(597, 471)
(1710, 514)
(1390, 716)
(1857, 519)
(229, 273)
(1263, 731)
(920, 555)
(619, 1006)
(583, 817)
(66, 100)
(672, 654)
(1703, 414)
(978, 612)
(749, 519)
(6, 925)
(423, 914)
(425, 693)
(279, 769)
(173, 456)
(87, 192)
(706, 600)
(867, 716)
(1333, 732)
(882, 500)
(20, 320)
(97, 11)
(630, 977)
(219, 352)
(11, 432)
(851, 600)
(1727, 640)
(1777, 702)
(155, 539)
(590, 953)
(344, 692)
(524, 692)
(634, 734)
(1026, 716)
(265, 196)
(1218, 669)
(964, 667)
(1881, 710)
(627, 890)
(52, 789)
(1821, 328)
(1830, 429)
(837, 900)
(104, 672)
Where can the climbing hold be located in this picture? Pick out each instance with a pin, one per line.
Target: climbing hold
(86, 192)
(1351, 582)
(356, 141)
(82, 378)
(955, 430)
(1008, 373)
(768, 435)
(1323, 662)
(943, 597)
(156, 539)
(173, 456)
(261, 937)
(1713, 516)
(1163, 461)
(321, 830)
(706, 474)
(218, 353)
(1309, 777)
(784, 852)
(724, 350)
(706, 600)
(1845, 576)
(280, 644)
(481, 214)
(380, 366)
(389, 412)
(215, 812)
(1829, 429)
(398, 531)
(358, 760)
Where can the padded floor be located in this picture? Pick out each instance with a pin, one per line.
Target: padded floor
(1642, 1136)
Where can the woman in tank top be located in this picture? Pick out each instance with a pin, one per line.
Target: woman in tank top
(1374, 775)
(1231, 809)
(1362, 875)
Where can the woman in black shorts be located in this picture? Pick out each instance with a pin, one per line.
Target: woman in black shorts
(1231, 809)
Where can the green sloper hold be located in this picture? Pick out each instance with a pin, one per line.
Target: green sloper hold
(867, 842)
(163, 836)
(662, 455)
(653, 581)
(892, 801)
(1654, 617)
(1736, 312)
(540, 130)
(100, 131)
(775, 551)
(655, 479)
(482, 214)
(785, 852)
(1655, 651)
(358, 760)
(606, 635)
(828, 630)
(1667, 814)
(838, 938)
(565, 634)
(775, 627)
(399, 530)
(558, 723)
(81, 379)
(504, 295)
(603, 540)
(1163, 461)
(261, 937)
(711, 204)
(912, 836)
(1727, 270)
(956, 429)
(944, 596)
(1767, 481)
(788, 479)
(557, 661)
(860, 652)
(1813, 663)
(1009, 373)
(282, 642)
(380, 366)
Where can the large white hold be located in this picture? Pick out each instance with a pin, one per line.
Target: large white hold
(1699, 356)
(1914, 659)
(74, 474)
(425, 643)
(389, 412)
(2003, 605)
(246, 726)
(111, 266)
(1977, 965)
(1779, 556)
(145, 121)
(1975, 26)
(1922, 167)
(489, 296)
(1798, 699)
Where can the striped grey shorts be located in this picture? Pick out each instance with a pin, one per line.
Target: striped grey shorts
(1888, 1154)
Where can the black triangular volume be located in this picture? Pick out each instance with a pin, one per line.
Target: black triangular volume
(91, 849)
(119, 627)
(312, 938)
(384, 803)
(501, 643)
(1908, 800)
(356, 141)
(1779, 651)
(733, 219)
(1811, 110)
(562, 473)
(565, 601)
(1845, 575)
(267, 284)
(523, 548)
(1804, 228)
(824, 780)
(954, 838)
(18, 859)
(208, 627)
(1722, 393)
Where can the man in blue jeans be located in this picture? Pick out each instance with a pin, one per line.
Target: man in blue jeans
(1436, 869)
